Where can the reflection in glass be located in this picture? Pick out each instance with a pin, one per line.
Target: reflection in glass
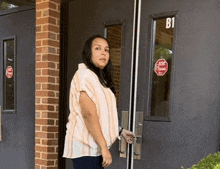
(163, 43)
(5, 6)
(114, 35)
(9, 74)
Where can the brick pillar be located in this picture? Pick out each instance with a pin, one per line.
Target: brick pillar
(47, 83)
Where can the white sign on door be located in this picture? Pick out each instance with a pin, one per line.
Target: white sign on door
(170, 22)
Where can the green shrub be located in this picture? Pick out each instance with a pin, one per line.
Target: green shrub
(212, 161)
(217, 166)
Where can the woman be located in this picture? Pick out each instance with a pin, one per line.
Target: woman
(93, 122)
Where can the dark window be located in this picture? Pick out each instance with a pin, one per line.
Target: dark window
(162, 50)
(9, 72)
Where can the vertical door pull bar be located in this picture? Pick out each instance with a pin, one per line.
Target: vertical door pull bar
(122, 141)
(138, 135)
(137, 23)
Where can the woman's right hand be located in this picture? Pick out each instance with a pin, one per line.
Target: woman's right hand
(107, 157)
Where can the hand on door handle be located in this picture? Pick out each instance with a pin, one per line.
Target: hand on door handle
(128, 136)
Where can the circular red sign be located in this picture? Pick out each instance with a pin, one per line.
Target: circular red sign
(161, 67)
(9, 72)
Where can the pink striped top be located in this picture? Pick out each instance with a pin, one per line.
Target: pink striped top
(78, 141)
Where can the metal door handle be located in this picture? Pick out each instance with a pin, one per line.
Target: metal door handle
(122, 152)
(0, 123)
(138, 135)
(139, 125)
(122, 141)
(137, 154)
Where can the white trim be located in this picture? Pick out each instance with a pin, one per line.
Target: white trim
(131, 80)
(136, 76)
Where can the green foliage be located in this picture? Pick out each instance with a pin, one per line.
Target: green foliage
(217, 166)
(4, 6)
(161, 53)
(212, 161)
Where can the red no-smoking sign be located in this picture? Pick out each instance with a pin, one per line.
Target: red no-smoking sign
(161, 67)
(9, 72)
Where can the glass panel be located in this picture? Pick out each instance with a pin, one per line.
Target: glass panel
(5, 6)
(161, 72)
(9, 79)
(113, 34)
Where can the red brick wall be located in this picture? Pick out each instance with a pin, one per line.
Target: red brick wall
(116, 61)
(114, 33)
(47, 83)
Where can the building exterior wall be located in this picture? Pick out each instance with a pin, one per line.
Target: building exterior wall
(47, 83)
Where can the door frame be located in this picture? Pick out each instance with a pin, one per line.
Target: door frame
(63, 93)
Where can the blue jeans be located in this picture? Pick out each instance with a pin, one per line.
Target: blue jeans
(87, 162)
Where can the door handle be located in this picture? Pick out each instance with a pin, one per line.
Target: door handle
(122, 152)
(138, 135)
(0, 123)
(122, 141)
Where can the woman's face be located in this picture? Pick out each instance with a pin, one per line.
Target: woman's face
(100, 52)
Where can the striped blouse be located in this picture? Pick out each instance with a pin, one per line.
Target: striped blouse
(78, 141)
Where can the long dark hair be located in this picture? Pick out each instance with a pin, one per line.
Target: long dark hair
(105, 75)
